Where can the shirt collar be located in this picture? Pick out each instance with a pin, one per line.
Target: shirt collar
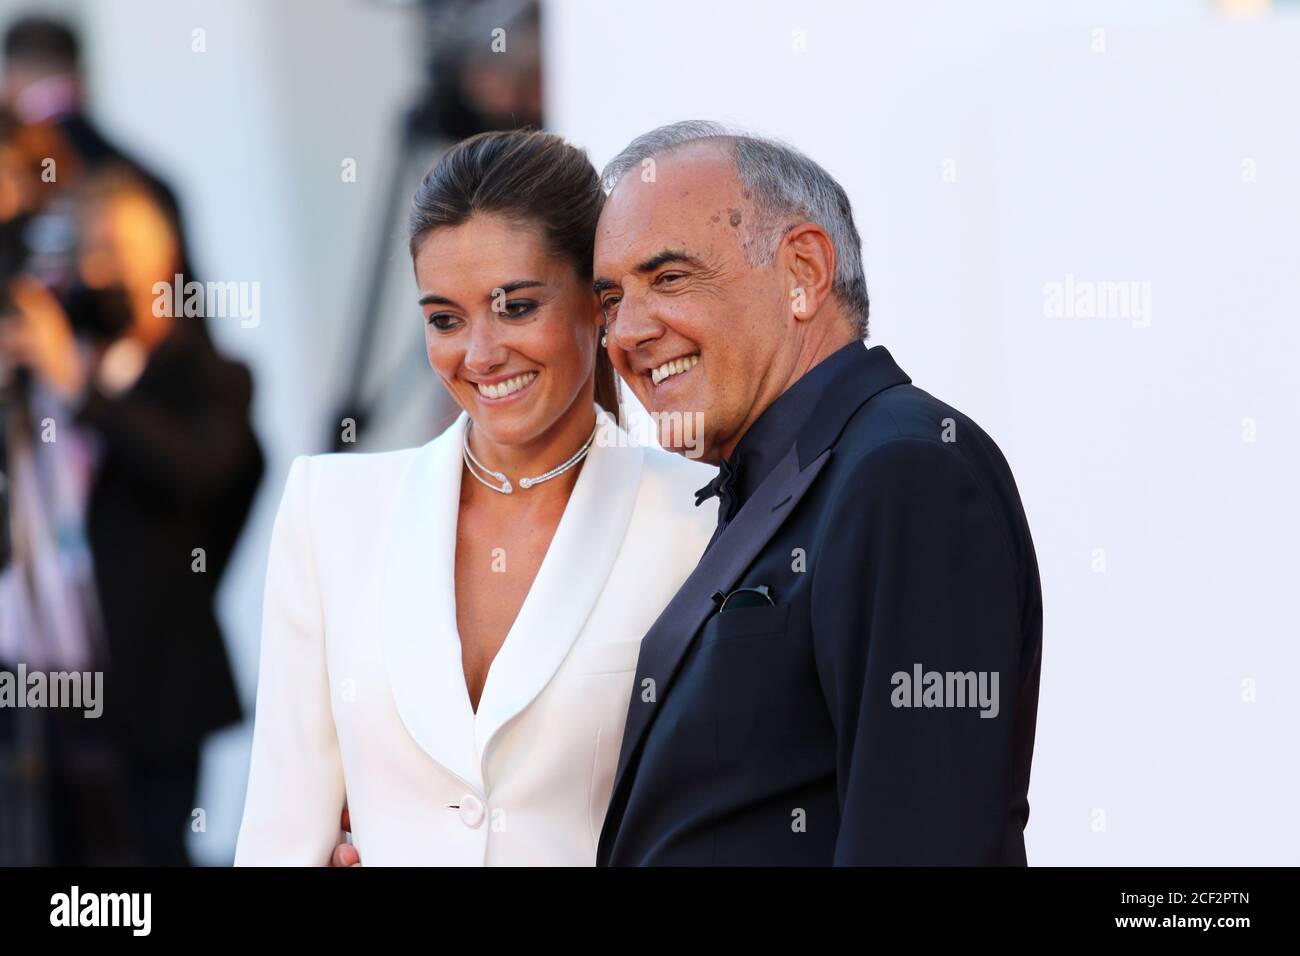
(775, 431)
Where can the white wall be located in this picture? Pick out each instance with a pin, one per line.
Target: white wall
(1117, 165)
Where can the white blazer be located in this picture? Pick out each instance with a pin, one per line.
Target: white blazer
(361, 691)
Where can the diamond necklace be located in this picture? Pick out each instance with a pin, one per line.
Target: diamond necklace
(474, 466)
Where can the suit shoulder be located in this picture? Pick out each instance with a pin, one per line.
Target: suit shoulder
(356, 475)
(905, 437)
(903, 411)
(906, 412)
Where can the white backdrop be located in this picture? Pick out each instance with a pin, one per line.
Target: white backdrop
(991, 150)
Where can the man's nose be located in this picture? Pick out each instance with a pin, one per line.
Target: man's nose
(635, 326)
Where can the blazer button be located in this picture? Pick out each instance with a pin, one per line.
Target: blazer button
(471, 811)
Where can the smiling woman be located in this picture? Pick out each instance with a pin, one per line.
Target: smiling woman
(526, 198)
(512, 333)
(493, 693)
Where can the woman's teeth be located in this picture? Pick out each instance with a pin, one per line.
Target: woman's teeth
(675, 367)
(508, 387)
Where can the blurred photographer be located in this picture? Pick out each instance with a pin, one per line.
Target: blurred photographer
(175, 468)
(53, 767)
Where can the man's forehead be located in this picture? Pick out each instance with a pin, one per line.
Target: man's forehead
(688, 196)
(696, 173)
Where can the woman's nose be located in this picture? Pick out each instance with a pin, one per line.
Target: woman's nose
(486, 350)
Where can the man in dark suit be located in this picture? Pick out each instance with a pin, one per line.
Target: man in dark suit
(850, 676)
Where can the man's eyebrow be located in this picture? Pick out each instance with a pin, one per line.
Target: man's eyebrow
(432, 298)
(666, 256)
(661, 258)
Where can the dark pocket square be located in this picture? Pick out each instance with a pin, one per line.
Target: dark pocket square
(758, 596)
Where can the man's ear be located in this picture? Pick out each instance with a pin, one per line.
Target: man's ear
(809, 256)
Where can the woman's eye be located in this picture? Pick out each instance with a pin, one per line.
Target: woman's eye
(442, 321)
(519, 308)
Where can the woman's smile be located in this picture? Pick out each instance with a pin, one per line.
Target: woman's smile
(504, 389)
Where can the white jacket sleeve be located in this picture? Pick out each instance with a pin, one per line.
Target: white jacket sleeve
(295, 782)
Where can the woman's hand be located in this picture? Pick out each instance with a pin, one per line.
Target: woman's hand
(345, 854)
(39, 336)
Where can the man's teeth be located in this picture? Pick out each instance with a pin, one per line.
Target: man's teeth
(508, 387)
(675, 367)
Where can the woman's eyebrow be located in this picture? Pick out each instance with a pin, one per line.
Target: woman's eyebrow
(519, 284)
(432, 298)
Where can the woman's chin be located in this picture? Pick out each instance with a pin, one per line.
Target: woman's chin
(513, 424)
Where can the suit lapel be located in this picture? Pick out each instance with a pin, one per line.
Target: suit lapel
(671, 635)
(420, 642)
(568, 583)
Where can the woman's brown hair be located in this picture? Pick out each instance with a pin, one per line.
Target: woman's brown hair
(531, 177)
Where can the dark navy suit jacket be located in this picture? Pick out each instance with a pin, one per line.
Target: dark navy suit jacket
(893, 541)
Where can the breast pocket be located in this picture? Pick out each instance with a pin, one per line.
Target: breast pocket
(746, 623)
(748, 659)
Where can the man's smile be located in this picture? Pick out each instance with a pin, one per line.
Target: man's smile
(674, 367)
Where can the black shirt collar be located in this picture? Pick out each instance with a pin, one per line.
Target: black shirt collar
(774, 433)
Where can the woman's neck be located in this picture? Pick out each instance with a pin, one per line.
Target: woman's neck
(549, 450)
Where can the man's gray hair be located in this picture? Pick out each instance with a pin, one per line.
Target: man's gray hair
(787, 188)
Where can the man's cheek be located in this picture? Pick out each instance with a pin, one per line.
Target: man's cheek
(640, 384)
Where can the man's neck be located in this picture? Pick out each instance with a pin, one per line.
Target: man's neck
(815, 349)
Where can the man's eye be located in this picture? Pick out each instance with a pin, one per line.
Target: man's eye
(610, 306)
(443, 321)
(670, 277)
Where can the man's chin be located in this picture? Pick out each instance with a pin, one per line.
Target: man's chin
(670, 406)
(681, 431)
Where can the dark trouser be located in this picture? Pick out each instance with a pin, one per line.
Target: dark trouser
(160, 794)
(114, 806)
(82, 775)
(70, 795)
